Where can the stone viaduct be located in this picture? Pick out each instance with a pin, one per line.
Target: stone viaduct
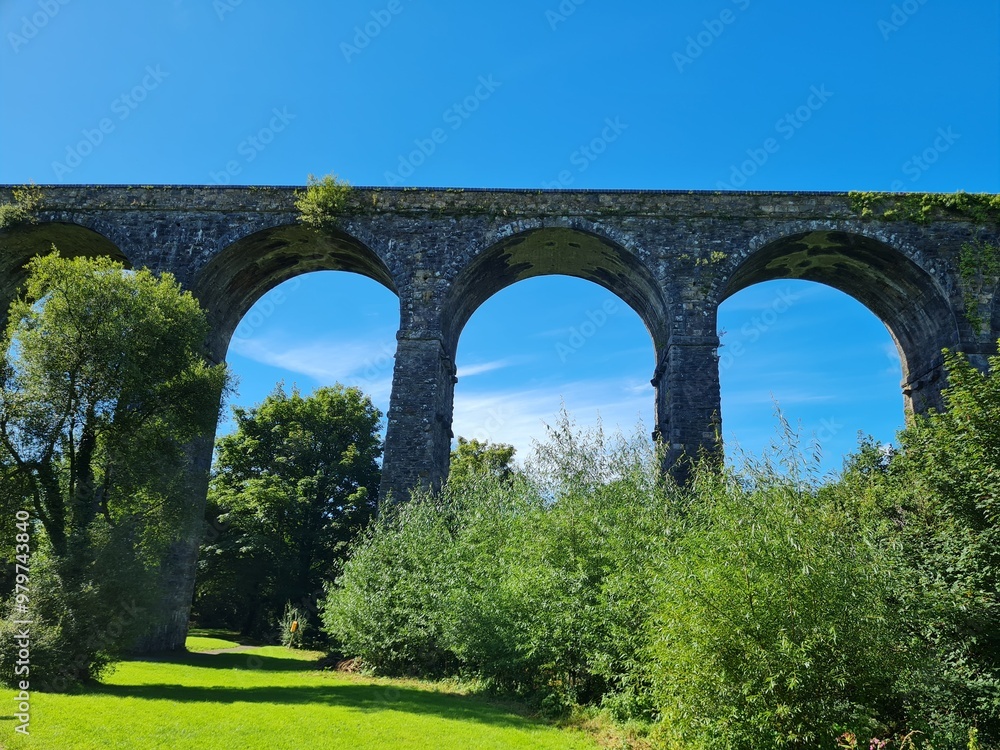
(672, 256)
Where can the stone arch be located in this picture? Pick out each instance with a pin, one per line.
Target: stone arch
(886, 279)
(22, 242)
(570, 248)
(246, 269)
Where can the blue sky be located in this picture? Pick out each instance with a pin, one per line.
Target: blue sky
(857, 95)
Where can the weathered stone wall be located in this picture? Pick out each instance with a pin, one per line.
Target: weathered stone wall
(672, 256)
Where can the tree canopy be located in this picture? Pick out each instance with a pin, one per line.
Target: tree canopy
(475, 457)
(103, 384)
(292, 485)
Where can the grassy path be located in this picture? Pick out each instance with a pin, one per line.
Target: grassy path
(271, 698)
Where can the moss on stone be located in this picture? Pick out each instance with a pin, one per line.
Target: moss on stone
(922, 208)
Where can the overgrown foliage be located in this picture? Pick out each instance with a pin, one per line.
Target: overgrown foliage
(474, 458)
(777, 619)
(102, 386)
(753, 608)
(923, 208)
(292, 485)
(323, 201)
(945, 490)
(979, 271)
(27, 200)
(532, 581)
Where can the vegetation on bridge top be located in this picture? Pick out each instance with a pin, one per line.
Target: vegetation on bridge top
(922, 208)
(323, 201)
(27, 199)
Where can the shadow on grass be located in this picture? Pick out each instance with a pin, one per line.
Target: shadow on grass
(226, 635)
(368, 698)
(235, 660)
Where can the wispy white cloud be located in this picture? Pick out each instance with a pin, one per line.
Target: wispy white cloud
(466, 371)
(519, 416)
(640, 388)
(367, 364)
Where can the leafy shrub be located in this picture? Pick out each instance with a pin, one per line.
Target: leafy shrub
(86, 614)
(777, 624)
(323, 201)
(27, 199)
(944, 488)
(536, 582)
(387, 606)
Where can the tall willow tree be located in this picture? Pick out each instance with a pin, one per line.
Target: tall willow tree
(103, 382)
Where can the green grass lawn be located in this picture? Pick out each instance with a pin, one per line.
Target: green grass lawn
(271, 698)
(199, 644)
(209, 639)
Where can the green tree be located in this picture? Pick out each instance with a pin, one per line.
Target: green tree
(777, 625)
(102, 385)
(942, 491)
(293, 484)
(475, 457)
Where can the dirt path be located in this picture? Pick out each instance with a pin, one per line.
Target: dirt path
(230, 650)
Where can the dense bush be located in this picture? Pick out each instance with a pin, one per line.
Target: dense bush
(942, 492)
(537, 581)
(778, 622)
(85, 612)
(387, 607)
(764, 607)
